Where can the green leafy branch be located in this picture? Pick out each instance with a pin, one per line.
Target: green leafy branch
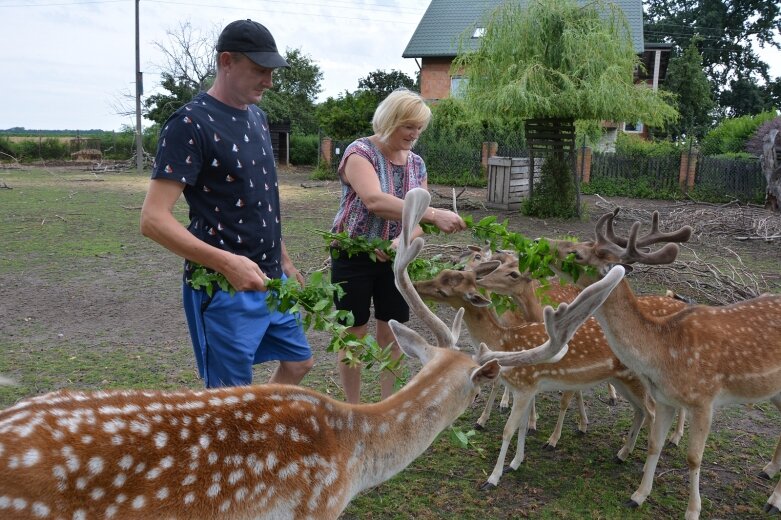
(315, 303)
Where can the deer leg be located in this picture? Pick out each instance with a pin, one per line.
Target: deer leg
(612, 397)
(480, 423)
(677, 435)
(773, 504)
(634, 392)
(698, 434)
(660, 426)
(532, 423)
(566, 397)
(505, 402)
(517, 421)
(582, 417)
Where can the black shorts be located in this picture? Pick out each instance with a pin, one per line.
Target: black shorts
(364, 280)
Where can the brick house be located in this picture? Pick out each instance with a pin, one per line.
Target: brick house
(434, 45)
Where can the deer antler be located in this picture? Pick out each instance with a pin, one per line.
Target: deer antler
(415, 204)
(634, 249)
(560, 324)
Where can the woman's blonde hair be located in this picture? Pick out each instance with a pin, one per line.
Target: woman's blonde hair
(400, 108)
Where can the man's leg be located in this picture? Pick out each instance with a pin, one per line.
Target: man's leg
(291, 372)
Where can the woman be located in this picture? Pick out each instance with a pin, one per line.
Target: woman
(376, 173)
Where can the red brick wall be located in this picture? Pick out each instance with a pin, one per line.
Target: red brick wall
(435, 78)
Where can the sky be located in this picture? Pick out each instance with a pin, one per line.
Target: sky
(70, 64)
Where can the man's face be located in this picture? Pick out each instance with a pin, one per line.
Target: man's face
(249, 80)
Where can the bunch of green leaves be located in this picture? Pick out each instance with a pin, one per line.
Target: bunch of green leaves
(315, 303)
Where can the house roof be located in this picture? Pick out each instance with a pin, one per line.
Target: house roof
(443, 23)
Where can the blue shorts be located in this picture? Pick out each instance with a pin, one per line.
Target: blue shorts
(232, 333)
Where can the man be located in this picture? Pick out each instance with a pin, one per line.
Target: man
(217, 151)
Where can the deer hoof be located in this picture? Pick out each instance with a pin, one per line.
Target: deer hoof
(479, 426)
(671, 445)
(764, 476)
(618, 460)
(770, 509)
(611, 402)
(531, 431)
(548, 446)
(580, 433)
(631, 504)
(487, 486)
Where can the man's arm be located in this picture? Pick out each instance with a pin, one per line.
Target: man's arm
(159, 224)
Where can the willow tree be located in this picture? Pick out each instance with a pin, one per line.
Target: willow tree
(558, 60)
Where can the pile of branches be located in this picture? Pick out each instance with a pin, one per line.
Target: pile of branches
(732, 220)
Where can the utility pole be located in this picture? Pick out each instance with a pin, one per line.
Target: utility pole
(139, 92)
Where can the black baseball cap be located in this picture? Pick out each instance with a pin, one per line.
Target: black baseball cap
(253, 40)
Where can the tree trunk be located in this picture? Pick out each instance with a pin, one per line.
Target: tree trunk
(772, 170)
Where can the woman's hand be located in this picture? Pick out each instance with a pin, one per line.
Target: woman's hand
(446, 220)
(382, 256)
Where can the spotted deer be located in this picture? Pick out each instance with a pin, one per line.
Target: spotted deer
(507, 279)
(699, 358)
(263, 452)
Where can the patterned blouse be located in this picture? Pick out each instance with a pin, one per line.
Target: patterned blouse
(353, 216)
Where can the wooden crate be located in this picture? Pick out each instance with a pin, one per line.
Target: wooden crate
(508, 181)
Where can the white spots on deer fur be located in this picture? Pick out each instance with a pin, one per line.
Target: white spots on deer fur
(139, 502)
(225, 506)
(97, 493)
(212, 458)
(204, 441)
(143, 428)
(71, 460)
(31, 457)
(79, 514)
(288, 471)
(61, 476)
(189, 479)
(81, 483)
(5, 502)
(213, 490)
(383, 428)
(315, 425)
(215, 401)
(95, 466)
(117, 440)
(126, 462)
(222, 434)
(189, 498)
(271, 460)
(111, 511)
(240, 494)
(119, 480)
(184, 433)
(162, 493)
(235, 476)
(40, 510)
(19, 503)
(255, 464)
(264, 418)
(247, 397)
(160, 439)
(87, 439)
(140, 467)
(280, 429)
(244, 436)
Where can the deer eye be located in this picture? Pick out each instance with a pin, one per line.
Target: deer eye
(515, 275)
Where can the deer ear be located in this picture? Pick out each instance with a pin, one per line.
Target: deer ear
(486, 268)
(411, 343)
(487, 372)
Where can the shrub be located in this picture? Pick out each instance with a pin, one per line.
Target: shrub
(635, 146)
(554, 195)
(303, 149)
(638, 188)
(732, 134)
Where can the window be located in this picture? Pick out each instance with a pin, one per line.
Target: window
(457, 86)
(634, 128)
(479, 32)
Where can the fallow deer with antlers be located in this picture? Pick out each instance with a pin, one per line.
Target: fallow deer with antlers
(266, 451)
(699, 358)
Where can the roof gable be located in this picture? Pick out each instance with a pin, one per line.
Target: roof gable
(443, 23)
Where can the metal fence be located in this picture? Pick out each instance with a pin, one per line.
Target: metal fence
(661, 173)
(737, 178)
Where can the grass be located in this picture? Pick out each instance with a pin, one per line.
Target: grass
(87, 302)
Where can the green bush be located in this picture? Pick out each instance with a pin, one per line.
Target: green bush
(731, 135)
(636, 146)
(40, 148)
(554, 195)
(303, 149)
(638, 188)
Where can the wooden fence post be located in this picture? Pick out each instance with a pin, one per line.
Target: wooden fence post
(584, 164)
(325, 150)
(489, 150)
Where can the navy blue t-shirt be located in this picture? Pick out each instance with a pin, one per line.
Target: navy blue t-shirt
(224, 157)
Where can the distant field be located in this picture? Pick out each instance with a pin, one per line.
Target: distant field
(21, 138)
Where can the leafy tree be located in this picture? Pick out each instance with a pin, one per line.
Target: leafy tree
(347, 116)
(687, 80)
(383, 83)
(292, 98)
(159, 107)
(732, 134)
(558, 60)
(745, 98)
(728, 31)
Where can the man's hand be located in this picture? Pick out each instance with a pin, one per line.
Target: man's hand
(244, 274)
